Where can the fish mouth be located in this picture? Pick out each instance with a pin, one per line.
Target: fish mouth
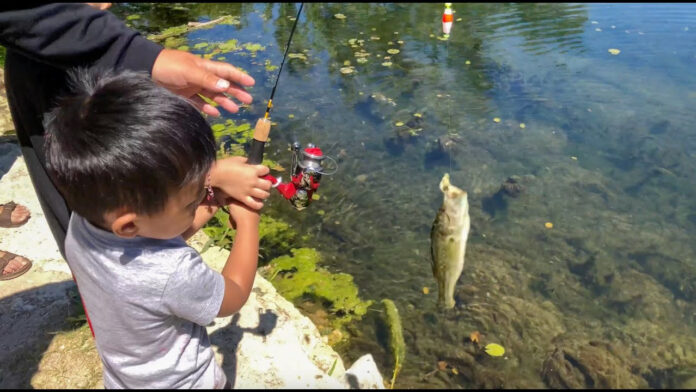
(450, 190)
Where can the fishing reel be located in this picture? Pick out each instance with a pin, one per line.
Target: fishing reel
(306, 175)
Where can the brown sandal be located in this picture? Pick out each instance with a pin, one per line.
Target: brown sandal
(6, 215)
(5, 260)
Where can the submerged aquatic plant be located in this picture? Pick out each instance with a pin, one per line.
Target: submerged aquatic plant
(396, 336)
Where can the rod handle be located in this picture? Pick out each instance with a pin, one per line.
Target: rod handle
(261, 131)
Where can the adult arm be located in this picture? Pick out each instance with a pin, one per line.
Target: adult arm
(67, 35)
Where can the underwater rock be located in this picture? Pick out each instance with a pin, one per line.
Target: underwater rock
(512, 186)
(589, 364)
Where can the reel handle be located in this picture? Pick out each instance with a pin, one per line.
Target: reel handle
(263, 127)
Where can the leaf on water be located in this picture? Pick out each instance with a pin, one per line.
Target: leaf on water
(495, 350)
(347, 70)
(346, 63)
(183, 47)
(393, 51)
(426, 290)
(399, 124)
(387, 63)
(374, 38)
(417, 115)
(339, 16)
(467, 62)
(352, 41)
(548, 225)
(523, 126)
(217, 127)
(614, 51)
(361, 60)
(291, 115)
(496, 119)
(400, 42)
(132, 17)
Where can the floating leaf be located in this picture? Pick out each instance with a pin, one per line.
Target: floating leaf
(315, 196)
(467, 62)
(132, 17)
(339, 16)
(523, 126)
(352, 41)
(574, 158)
(393, 51)
(399, 124)
(614, 51)
(361, 60)
(387, 63)
(291, 116)
(417, 115)
(426, 290)
(321, 212)
(346, 63)
(455, 371)
(400, 42)
(497, 119)
(183, 47)
(548, 225)
(346, 70)
(495, 350)
(200, 45)
(374, 38)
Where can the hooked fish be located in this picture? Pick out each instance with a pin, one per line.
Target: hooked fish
(448, 240)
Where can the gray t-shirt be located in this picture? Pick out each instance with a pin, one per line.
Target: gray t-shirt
(148, 301)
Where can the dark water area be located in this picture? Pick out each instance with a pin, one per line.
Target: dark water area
(602, 144)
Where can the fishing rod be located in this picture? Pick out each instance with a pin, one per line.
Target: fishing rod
(306, 164)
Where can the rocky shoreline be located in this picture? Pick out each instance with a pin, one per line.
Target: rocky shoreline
(268, 344)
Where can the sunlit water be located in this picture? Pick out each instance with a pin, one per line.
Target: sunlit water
(603, 143)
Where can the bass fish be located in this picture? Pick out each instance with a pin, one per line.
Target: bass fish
(448, 241)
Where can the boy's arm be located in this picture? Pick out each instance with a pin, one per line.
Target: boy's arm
(204, 213)
(240, 269)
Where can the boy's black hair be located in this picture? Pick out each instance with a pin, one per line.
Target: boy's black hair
(120, 140)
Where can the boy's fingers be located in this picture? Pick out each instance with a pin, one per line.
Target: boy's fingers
(253, 203)
(260, 194)
(264, 184)
(262, 170)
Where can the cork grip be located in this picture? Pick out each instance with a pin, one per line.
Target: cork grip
(263, 127)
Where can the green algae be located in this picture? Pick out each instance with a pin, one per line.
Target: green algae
(298, 277)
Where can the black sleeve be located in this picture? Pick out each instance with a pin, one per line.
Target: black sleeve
(70, 34)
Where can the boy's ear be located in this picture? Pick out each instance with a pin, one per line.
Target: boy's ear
(124, 225)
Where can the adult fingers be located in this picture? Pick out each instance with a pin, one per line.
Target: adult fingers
(205, 107)
(228, 72)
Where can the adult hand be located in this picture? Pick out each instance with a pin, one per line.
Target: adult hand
(188, 75)
(99, 6)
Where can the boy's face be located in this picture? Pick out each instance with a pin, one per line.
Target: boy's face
(176, 217)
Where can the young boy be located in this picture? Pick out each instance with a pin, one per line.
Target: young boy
(134, 163)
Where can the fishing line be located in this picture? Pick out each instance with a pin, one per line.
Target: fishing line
(287, 48)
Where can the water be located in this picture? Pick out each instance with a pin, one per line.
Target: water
(606, 296)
